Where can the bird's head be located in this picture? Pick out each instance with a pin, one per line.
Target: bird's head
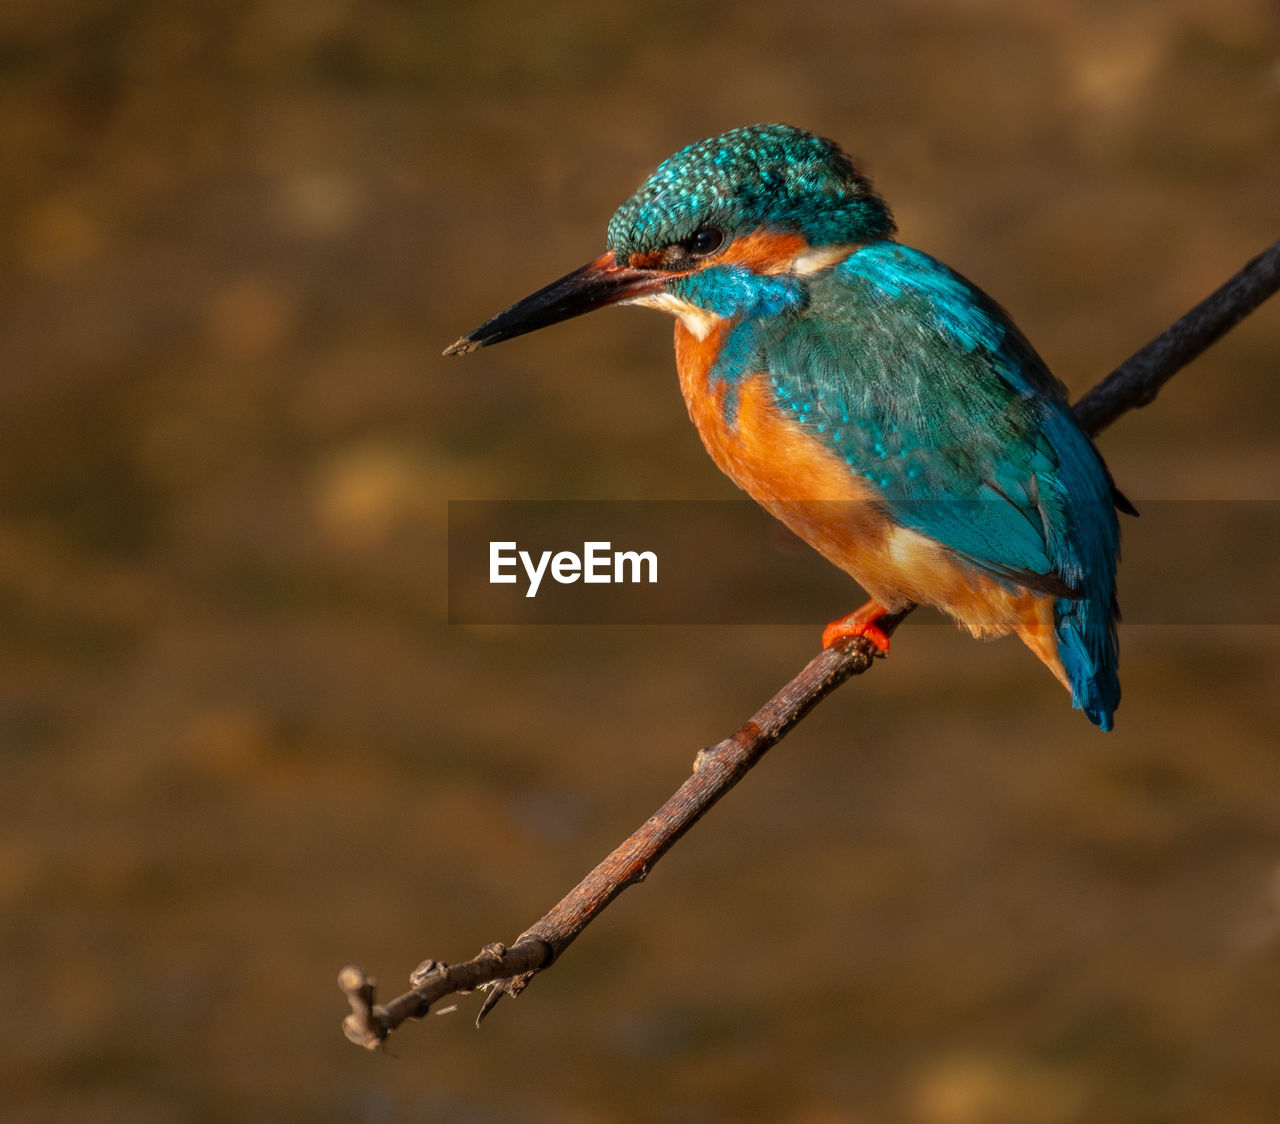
(727, 227)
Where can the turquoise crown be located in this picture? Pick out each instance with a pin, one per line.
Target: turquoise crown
(773, 176)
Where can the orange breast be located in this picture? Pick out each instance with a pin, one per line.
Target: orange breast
(776, 462)
(811, 489)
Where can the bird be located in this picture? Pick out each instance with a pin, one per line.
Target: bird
(878, 403)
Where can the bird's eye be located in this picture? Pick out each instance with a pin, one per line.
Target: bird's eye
(704, 242)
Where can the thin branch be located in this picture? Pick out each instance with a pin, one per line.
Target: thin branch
(1138, 380)
(507, 971)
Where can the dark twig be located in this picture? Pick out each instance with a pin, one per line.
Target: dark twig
(506, 971)
(1138, 380)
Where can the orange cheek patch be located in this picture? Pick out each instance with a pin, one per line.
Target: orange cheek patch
(650, 260)
(764, 251)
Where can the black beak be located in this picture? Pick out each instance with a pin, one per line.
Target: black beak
(595, 285)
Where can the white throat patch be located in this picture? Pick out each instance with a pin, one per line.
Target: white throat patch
(699, 321)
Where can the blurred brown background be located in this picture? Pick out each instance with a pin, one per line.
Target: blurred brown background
(241, 747)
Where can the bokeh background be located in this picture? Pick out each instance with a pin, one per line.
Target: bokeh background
(241, 747)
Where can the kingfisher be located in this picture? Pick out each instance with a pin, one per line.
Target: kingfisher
(879, 404)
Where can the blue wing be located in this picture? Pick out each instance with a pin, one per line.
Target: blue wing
(923, 385)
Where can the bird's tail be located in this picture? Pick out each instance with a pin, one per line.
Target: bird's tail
(1089, 650)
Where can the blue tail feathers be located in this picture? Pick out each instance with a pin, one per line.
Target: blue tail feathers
(1089, 650)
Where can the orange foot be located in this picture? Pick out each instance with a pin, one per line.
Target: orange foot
(861, 622)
